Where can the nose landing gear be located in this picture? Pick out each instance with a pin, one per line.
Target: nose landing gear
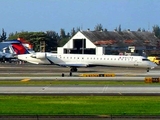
(73, 69)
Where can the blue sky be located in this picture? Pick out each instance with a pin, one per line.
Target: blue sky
(43, 15)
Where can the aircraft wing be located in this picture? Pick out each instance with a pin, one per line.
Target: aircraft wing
(73, 64)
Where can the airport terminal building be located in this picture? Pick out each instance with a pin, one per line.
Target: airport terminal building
(110, 42)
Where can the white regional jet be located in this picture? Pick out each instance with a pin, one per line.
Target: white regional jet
(75, 61)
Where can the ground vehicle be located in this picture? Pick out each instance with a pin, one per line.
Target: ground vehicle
(155, 59)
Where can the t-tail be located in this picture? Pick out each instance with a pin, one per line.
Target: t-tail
(16, 47)
(10, 49)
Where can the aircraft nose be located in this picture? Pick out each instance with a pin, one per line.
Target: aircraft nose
(153, 65)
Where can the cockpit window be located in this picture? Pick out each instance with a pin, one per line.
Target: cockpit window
(145, 59)
(158, 58)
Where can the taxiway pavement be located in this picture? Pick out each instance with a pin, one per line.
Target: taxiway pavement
(103, 90)
(81, 90)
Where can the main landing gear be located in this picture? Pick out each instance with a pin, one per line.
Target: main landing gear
(147, 69)
(73, 69)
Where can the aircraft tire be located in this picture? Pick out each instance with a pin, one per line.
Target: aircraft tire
(73, 69)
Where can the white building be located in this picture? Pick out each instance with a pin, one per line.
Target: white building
(80, 44)
(101, 42)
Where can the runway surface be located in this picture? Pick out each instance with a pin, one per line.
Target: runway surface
(32, 68)
(75, 78)
(128, 74)
(80, 90)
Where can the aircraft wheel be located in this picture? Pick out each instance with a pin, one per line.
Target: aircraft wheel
(73, 69)
(3, 59)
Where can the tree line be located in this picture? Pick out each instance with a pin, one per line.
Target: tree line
(53, 39)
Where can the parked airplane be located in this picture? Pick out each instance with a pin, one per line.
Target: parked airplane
(9, 50)
(75, 61)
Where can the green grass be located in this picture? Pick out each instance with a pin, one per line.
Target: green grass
(79, 105)
(63, 82)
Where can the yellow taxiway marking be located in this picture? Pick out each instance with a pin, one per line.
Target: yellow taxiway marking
(25, 80)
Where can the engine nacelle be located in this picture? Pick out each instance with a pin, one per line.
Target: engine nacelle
(39, 55)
